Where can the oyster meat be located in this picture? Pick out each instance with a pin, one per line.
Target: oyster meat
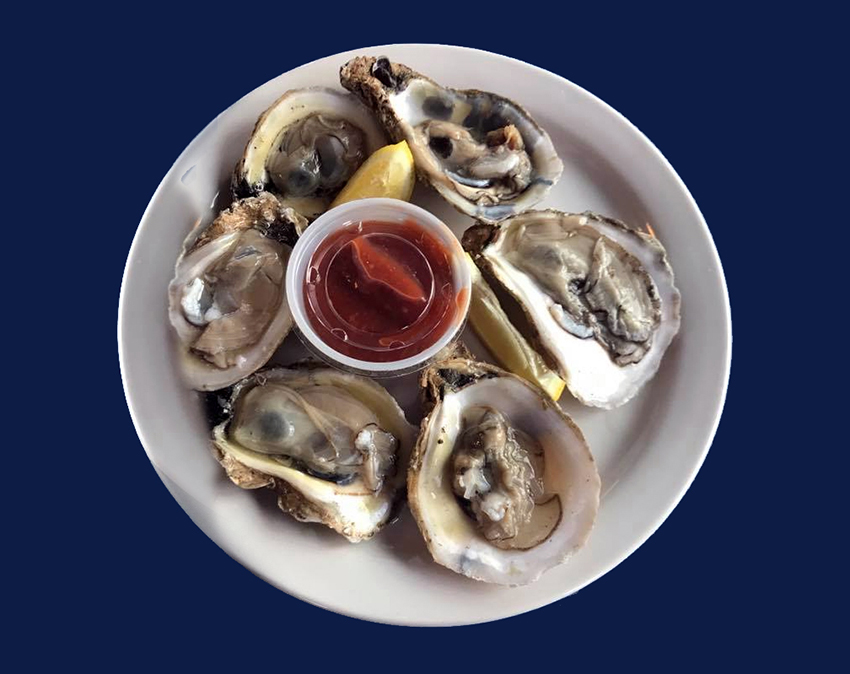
(305, 147)
(332, 445)
(599, 297)
(482, 152)
(227, 300)
(502, 483)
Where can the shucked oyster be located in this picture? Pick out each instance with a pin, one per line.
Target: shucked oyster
(332, 445)
(483, 153)
(227, 301)
(599, 297)
(305, 147)
(501, 483)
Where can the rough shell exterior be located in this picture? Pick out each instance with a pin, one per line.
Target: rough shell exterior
(263, 212)
(453, 376)
(289, 499)
(268, 216)
(358, 77)
(293, 106)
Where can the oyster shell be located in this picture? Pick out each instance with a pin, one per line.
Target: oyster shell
(599, 297)
(305, 147)
(227, 301)
(332, 445)
(482, 152)
(501, 483)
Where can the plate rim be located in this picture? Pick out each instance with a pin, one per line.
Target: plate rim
(661, 516)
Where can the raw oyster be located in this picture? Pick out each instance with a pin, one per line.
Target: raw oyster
(227, 301)
(305, 147)
(599, 297)
(502, 483)
(483, 153)
(332, 445)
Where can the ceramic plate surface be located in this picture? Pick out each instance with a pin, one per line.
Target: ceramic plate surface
(647, 451)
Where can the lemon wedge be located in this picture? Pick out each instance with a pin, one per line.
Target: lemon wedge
(504, 341)
(388, 172)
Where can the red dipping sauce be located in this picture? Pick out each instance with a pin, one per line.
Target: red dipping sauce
(380, 291)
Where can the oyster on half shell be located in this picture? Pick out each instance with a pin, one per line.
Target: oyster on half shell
(599, 297)
(332, 445)
(305, 147)
(502, 483)
(227, 301)
(483, 153)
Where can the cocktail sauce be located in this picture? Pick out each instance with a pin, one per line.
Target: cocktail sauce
(380, 291)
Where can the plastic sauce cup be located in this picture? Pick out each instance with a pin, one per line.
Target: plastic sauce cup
(346, 215)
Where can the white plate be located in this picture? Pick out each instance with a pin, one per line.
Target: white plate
(647, 451)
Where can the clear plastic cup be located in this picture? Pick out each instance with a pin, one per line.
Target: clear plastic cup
(384, 210)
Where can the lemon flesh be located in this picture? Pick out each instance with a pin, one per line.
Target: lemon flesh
(388, 172)
(504, 341)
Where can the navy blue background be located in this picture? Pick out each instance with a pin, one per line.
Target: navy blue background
(106, 567)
